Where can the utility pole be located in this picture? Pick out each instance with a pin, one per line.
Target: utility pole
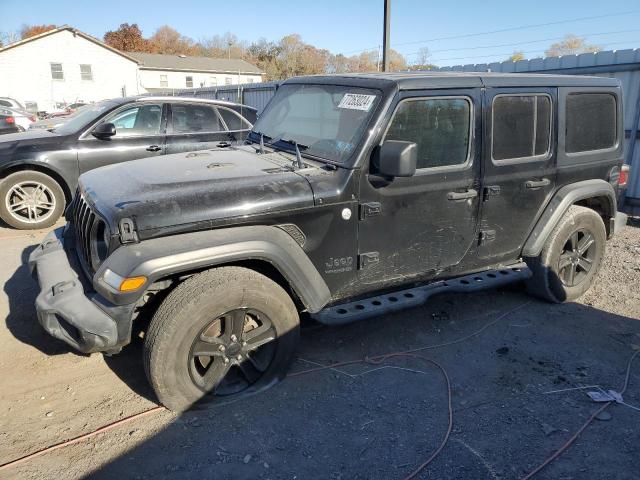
(385, 37)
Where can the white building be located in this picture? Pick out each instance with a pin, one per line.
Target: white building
(63, 66)
(160, 72)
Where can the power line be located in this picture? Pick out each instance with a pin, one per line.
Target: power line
(509, 29)
(583, 35)
(524, 53)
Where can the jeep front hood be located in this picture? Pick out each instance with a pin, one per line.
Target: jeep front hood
(196, 188)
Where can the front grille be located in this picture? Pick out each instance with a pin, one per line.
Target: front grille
(85, 224)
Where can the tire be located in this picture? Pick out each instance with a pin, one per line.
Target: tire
(561, 272)
(211, 305)
(30, 200)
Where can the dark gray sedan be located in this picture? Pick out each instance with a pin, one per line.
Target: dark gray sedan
(39, 169)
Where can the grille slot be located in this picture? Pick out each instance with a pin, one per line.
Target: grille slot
(85, 223)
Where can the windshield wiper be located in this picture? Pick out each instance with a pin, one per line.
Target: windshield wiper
(262, 137)
(297, 146)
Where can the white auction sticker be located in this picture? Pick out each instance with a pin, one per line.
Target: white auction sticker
(357, 101)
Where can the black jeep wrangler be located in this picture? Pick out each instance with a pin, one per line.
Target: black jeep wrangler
(354, 195)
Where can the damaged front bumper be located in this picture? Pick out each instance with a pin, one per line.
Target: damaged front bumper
(63, 308)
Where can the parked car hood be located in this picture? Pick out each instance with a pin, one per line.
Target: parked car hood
(194, 190)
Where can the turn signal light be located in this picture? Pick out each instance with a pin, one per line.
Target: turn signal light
(123, 284)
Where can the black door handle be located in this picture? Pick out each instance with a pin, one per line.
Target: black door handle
(537, 183)
(153, 148)
(457, 196)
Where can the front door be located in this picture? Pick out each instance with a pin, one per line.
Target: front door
(421, 226)
(139, 133)
(519, 168)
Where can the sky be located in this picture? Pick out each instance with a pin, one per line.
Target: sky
(456, 32)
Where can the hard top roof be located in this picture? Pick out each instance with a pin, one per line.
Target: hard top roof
(433, 80)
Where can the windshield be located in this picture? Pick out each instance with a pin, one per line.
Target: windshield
(84, 116)
(328, 119)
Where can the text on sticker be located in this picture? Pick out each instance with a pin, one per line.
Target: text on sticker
(357, 101)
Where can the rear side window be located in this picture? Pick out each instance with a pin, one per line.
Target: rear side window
(194, 119)
(590, 122)
(233, 120)
(521, 126)
(439, 126)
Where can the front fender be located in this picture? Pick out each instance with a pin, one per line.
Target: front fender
(162, 257)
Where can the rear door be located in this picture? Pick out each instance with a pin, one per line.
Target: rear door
(139, 134)
(519, 167)
(419, 226)
(195, 126)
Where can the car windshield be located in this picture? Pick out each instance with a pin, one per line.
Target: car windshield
(83, 116)
(328, 119)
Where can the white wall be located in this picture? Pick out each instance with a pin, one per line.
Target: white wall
(151, 79)
(25, 71)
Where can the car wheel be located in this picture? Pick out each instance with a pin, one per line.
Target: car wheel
(224, 332)
(570, 258)
(30, 200)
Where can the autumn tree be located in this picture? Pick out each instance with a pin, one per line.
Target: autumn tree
(169, 40)
(570, 45)
(516, 56)
(127, 38)
(33, 30)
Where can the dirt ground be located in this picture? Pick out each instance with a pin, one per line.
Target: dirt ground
(358, 422)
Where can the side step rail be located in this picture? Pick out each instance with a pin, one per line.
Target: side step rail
(413, 297)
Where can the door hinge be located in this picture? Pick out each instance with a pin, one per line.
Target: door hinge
(370, 210)
(487, 236)
(490, 191)
(367, 259)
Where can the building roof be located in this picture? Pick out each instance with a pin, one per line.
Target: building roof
(75, 32)
(158, 61)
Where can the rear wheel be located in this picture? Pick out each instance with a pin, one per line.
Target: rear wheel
(223, 332)
(570, 258)
(30, 200)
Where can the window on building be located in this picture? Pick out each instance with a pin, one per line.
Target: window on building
(249, 80)
(189, 82)
(233, 120)
(521, 126)
(194, 118)
(590, 122)
(137, 120)
(440, 127)
(164, 81)
(213, 81)
(56, 71)
(86, 73)
(228, 80)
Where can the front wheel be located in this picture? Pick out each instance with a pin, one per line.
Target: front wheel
(226, 331)
(30, 200)
(570, 258)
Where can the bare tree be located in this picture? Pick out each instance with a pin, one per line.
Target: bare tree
(570, 45)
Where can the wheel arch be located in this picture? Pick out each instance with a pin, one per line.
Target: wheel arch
(39, 167)
(595, 194)
(266, 249)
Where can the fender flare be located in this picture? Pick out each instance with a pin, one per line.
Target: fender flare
(161, 257)
(560, 203)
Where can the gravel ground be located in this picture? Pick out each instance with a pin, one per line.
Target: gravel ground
(362, 421)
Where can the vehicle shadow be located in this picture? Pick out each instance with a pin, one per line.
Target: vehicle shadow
(21, 290)
(501, 350)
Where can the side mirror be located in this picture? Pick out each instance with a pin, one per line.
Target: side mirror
(104, 130)
(396, 158)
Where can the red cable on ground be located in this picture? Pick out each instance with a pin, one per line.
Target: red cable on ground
(575, 436)
(103, 429)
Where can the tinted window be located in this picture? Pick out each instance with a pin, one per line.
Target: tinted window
(194, 118)
(521, 126)
(5, 103)
(137, 120)
(590, 122)
(440, 128)
(233, 120)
